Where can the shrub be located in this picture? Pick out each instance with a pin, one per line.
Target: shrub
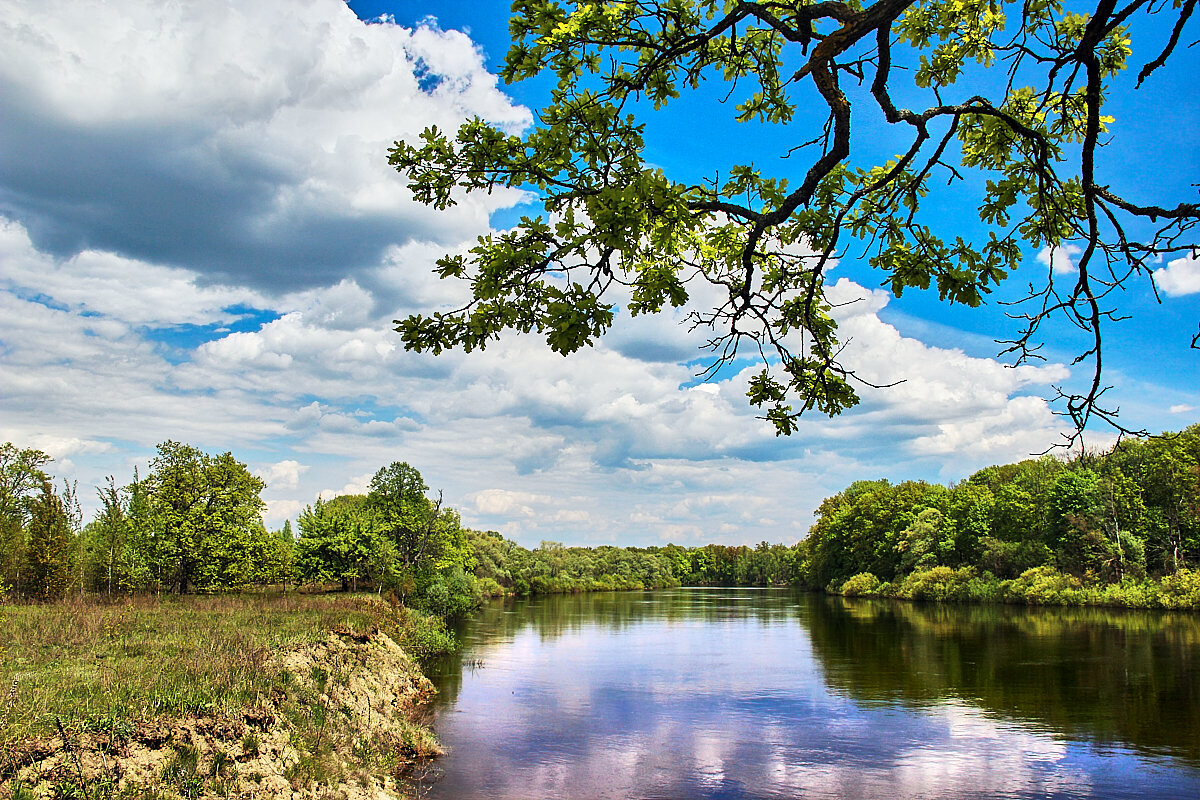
(451, 594)
(489, 587)
(944, 583)
(1043, 586)
(424, 636)
(1129, 593)
(1011, 559)
(1181, 590)
(864, 584)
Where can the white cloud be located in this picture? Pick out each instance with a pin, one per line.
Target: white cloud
(603, 446)
(60, 448)
(218, 157)
(1182, 408)
(1061, 259)
(280, 510)
(282, 475)
(944, 404)
(359, 484)
(243, 140)
(1180, 277)
(500, 502)
(95, 282)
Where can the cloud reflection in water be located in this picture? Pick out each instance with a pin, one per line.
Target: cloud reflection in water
(717, 703)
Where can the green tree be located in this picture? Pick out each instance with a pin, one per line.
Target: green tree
(1023, 510)
(138, 569)
(970, 508)
(274, 558)
(1005, 101)
(107, 539)
(927, 542)
(1172, 490)
(277, 563)
(423, 533)
(204, 512)
(426, 539)
(21, 478)
(338, 541)
(48, 555)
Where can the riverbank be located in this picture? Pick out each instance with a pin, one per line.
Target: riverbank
(287, 696)
(1038, 586)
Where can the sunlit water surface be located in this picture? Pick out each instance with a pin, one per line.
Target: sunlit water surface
(738, 693)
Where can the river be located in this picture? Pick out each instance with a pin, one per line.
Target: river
(745, 693)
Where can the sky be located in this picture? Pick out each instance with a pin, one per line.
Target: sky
(201, 240)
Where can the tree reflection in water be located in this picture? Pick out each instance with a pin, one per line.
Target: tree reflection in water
(753, 693)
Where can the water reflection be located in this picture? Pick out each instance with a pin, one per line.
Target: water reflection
(734, 693)
(1110, 676)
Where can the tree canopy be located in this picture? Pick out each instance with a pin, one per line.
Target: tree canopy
(204, 516)
(999, 101)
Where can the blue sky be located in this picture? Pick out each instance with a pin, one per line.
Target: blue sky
(201, 240)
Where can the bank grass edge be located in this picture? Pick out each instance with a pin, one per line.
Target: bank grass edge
(88, 664)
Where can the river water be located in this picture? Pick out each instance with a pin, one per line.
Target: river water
(743, 693)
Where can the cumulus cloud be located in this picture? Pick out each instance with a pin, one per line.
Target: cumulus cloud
(282, 475)
(98, 283)
(359, 484)
(200, 240)
(1179, 277)
(937, 402)
(1061, 259)
(607, 445)
(184, 134)
(278, 511)
(501, 502)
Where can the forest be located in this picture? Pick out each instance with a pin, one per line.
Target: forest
(1115, 528)
(1119, 528)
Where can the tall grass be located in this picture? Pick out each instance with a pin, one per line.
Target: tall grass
(101, 665)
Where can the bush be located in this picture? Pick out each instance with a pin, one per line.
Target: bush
(452, 593)
(1043, 586)
(1128, 593)
(1181, 590)
(864, 584)
(1011, 559)
(488, 587)
(424, 636)
(945, 584)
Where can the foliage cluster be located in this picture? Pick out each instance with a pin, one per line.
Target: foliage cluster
(395, 538)
(1002, 108)
(1117, 528)
(191, 524)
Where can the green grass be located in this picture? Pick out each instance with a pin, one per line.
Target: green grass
(106, 667)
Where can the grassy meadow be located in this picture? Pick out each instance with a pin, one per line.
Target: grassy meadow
(96, 667)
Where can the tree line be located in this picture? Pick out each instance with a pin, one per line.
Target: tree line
(193, 523)
(1115, 528)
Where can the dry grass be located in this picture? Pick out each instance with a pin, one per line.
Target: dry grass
(97, 665)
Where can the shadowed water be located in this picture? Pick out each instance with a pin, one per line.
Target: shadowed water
(740, 693)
